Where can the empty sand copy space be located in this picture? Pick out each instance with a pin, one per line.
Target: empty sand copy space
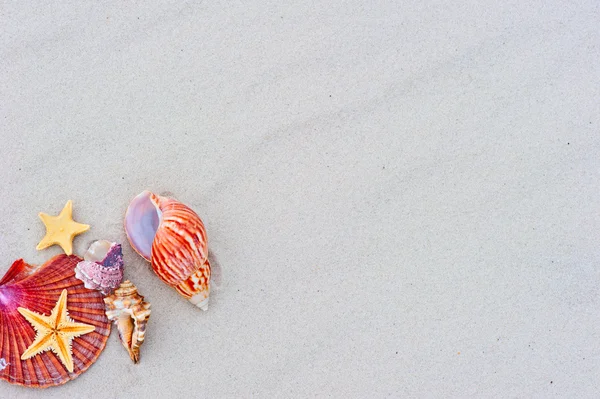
(402, 198)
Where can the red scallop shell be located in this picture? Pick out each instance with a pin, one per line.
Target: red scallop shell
(38, 289)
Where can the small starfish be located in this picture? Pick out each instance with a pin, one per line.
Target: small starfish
(61, 229)
(55, 332)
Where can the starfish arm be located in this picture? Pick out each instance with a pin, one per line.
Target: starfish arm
(79, 228)
(38, 321)
(62, 347)
(60, 313)
(66, 245)
(67, 210)
(41, 343)
(75, 329)
(45, 217)
(66, 240)
(46, 242)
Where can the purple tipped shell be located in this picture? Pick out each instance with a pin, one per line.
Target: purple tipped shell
(114, 257)
(98, 277)
(102, 267)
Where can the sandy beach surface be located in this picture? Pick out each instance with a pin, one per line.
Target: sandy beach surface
(403, 197)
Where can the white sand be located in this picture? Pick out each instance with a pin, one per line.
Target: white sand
(404, 198)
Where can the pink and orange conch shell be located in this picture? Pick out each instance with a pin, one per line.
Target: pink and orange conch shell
(172, 237)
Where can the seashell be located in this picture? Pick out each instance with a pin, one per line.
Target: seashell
(102, 267)
(126, 307)
(38, 289)
(172, 237)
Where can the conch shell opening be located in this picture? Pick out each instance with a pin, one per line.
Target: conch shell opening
(141, 223)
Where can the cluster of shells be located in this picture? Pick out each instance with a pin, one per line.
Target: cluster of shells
(163, 231)
(38, 289)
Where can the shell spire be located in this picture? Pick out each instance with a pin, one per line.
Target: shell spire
(172, 237)
(127, 309)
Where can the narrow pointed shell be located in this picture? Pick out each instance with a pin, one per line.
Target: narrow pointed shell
(127, 309)
(38, 289)
(102, 267)
(172, 237)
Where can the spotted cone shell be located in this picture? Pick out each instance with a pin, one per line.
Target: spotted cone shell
(172, 237)
(38, 289)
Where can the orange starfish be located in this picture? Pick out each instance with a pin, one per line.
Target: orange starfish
(54, 332)
(61, 229)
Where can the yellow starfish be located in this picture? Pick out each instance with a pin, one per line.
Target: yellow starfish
(55, 332)
(61, 229)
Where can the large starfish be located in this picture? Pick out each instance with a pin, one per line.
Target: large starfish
(61, 229)
(54, 332)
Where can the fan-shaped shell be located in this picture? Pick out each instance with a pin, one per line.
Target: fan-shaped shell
(172, 237)
(38, 289)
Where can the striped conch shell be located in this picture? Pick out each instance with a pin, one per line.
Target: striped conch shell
(127, 309)
(172, 237)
